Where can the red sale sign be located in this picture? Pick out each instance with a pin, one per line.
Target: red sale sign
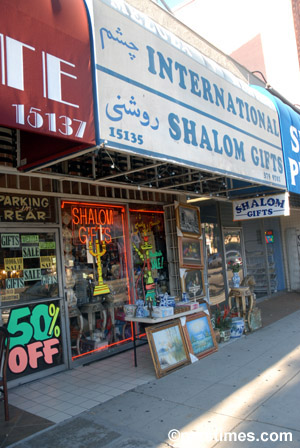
(45, 77)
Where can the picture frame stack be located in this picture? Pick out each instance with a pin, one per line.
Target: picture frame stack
(173, 344)
(190, 248)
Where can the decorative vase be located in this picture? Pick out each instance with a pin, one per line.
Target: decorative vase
(236, 280)
(185, 297)
(237, 328)
(129, 310)
(225, 335)
(140, 311)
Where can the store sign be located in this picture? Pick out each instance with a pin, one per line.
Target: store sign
(32, 275)
(10, 240)
(34, 337)
(261, 207)
(289, 122)
(18, 208)
(92, 223)
(13, 264)
(27, 239)
(162, 98)
(30, 252)
(45, 80)
(157, 259)
(47, 261)
(14, 283)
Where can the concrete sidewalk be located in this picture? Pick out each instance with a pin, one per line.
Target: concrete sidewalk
(250, 387)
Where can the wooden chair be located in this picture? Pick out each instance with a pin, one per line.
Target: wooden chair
(4, 350)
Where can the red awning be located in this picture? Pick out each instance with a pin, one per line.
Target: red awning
(46, 86)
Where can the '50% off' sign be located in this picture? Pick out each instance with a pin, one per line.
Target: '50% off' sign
(34, 335)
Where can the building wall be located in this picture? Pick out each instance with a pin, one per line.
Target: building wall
(251, 55)
(296, 17)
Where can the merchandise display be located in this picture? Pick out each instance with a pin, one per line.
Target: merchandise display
(96, 244)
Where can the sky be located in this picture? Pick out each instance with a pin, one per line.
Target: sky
(228, 24)
(224, 23)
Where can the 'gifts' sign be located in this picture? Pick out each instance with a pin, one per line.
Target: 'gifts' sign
(261, 207)
(45, 77)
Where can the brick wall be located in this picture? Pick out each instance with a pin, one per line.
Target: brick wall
(296, 17)
(251, 55)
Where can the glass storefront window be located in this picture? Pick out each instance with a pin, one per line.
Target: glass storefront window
(214, 257)
(28, 309)
(27, 267)
(96, 275)
(149, 253)
(233, 252)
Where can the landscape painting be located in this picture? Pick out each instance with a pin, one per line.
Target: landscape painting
(200, 335)
(168, 347)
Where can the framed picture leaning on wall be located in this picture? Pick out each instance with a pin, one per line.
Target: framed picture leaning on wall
(188, 220)
(168, 347)
(200, 335)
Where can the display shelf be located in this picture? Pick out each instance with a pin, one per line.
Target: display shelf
(157, 320)
(261, 265)
(172, 250)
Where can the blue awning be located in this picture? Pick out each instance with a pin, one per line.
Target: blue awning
(289, 122)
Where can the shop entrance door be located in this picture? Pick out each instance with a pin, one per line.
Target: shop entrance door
(31, 302)
(264, 255)
(292, 241)
(234, 254)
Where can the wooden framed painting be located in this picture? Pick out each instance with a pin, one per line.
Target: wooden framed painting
(190, 252)
(204, 306)
(168, 347)
(188, 220)
(200, 335)
(192, 282)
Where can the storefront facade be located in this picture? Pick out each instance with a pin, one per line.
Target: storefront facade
(256, 244)
(289, 120)
(92, 227)
(60, 302)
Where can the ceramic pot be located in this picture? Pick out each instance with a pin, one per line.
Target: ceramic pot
(236, 280)
(237, 328)
(129, 310)
(225, 335)
(185, 297)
